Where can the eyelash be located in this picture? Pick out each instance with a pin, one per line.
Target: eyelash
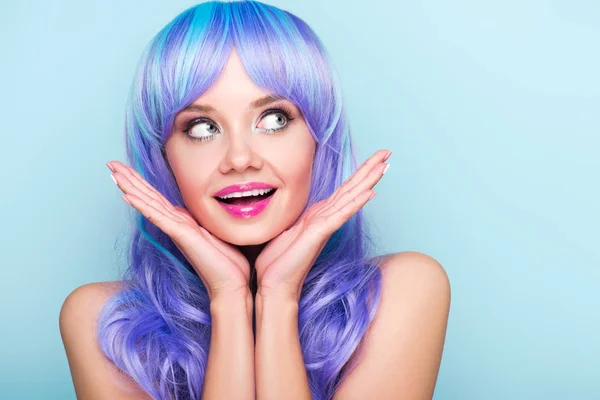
(286, 112)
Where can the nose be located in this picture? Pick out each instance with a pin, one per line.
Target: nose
(240, 153)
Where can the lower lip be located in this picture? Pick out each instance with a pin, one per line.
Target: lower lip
(247, 211)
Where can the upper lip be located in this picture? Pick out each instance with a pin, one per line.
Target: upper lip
(243, 187)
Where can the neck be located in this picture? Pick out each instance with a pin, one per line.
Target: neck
(251, 253)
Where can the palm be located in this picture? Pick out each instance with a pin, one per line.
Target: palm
(278, 246)
(230, 254)
(284, 263)
(220, 265)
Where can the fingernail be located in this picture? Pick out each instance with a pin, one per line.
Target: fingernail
(113, 178)
(387, 156)
(372, 195)
(109, 165)
(385, 169)
(124, 198)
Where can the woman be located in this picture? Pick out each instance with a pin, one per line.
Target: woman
(250, 240)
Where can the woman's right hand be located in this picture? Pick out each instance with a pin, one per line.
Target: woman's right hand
(221, 267)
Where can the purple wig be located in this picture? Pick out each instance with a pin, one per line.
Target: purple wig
(157, 328)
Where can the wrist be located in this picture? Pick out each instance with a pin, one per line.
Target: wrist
(231, 302)
(280, 311)
(280, 300)
(279, 293)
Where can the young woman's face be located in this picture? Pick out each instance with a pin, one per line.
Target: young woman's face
(236, 148)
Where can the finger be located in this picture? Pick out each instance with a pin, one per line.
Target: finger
(360, 173)
(135, 178)
(153, 214)
(185, 214)
(173, 228)
(145, 183)
(140, 183)
(129, 188)
(337, 218)
(235, 257)
(367, 183)
(125, 169)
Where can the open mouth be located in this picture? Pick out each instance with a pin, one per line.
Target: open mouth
(246, 200)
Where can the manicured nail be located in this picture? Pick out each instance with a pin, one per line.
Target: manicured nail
(385, 169)
(113, 178)
(109, 165)
(124, 198)
(387, 156)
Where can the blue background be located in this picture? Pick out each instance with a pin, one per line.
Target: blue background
(492, 112)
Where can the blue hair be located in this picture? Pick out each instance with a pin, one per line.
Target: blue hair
(157, 328)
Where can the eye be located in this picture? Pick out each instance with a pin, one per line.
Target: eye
(197, 129)
(204, 129)
(275, 120)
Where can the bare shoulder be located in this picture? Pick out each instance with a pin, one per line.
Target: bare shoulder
(90, 295)
(409, 265)
(414, 283)
(407, 336)
(409, 275)
(94, 376)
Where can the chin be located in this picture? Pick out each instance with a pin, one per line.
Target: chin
(246, 236)
(256, 230)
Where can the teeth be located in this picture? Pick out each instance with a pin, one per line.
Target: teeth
(254, 192)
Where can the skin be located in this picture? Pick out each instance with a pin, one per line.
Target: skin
(280, 245)
(240, 152)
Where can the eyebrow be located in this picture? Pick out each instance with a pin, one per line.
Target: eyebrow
(260, 102)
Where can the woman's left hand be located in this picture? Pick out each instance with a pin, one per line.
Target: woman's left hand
(285, 261)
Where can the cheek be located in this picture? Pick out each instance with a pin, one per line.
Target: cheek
(293, 163)
(293, 155)
(191, 184)
(191, 175)
(297, 172)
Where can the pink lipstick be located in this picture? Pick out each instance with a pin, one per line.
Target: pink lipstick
(245, 200)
